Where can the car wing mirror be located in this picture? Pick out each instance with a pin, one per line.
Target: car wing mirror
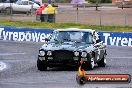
(47, 39)
(101, 42)
(98, 44)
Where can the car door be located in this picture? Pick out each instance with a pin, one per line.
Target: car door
(22, 6)
(99, 51)
(97, 46)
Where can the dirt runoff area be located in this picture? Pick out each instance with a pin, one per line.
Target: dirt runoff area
(112, 16)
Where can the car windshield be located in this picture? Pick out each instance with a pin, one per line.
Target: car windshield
(71, 36)
(19, 2)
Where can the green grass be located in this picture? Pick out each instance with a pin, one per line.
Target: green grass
(65, 25)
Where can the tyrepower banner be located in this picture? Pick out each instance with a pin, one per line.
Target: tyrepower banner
(39, 35)
(116, 38)
(24, 34)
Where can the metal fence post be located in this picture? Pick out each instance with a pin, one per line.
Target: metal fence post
(32, 13)
(100, 19)
(77, 14)
(11, 12)
(125, 19)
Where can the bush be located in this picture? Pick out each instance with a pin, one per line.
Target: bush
(102, 1)
(92, 1)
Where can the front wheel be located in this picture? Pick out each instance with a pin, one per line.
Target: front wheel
(81, 80)
(102, 62)
(88, 65)
(28, 13)
(41, 66)
(91, 65)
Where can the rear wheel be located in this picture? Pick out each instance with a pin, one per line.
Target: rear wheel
(41, 66)
(8, 11)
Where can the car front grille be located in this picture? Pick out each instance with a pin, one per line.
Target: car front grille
(62, 55)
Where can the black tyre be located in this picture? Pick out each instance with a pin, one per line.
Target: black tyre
(8, 11)
(102, 62)
(28, 13)
(81, 80)
(41, 66)
(88, 65)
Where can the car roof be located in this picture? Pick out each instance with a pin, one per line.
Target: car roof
(23, 0)
(77, 29)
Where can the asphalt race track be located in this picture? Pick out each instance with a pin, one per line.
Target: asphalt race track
(18, 60)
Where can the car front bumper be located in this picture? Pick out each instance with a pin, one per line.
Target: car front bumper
(52, 62)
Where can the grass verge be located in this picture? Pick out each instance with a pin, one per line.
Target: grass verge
(65, 25)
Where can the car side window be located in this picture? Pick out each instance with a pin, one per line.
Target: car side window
(98, 40)
(96, 37)
(19, 2)
(87, 37)
(25, 3)
(31, 3)
(90, 38)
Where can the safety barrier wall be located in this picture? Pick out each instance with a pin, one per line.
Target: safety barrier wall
(116, 38)
(24, 34)
(39, 35)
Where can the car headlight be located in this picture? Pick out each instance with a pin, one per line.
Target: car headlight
(76, 53)
(49, 53)
(84, 54)
(42, 53)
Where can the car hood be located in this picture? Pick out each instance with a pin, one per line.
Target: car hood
(35, 6)
(1, 6)
(71, 46)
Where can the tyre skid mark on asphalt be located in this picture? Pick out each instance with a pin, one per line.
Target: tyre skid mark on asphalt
(121, 57)
(8, 54)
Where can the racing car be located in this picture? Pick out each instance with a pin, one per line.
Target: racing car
(67, 47)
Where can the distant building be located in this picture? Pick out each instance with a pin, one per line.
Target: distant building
(121, 1)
